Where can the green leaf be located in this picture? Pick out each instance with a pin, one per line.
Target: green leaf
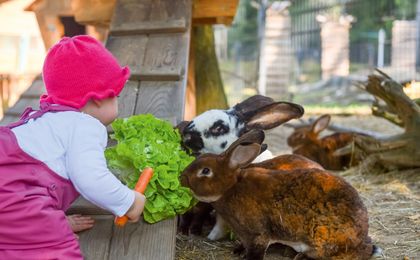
(145, 141)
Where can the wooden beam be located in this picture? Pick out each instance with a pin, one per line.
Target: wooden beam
(93, 12)
(51, 7)
(214, 8)
(50, 27)
(204, 12)
(213, 20)
(214, 11)
(171, 26)
(190, 100)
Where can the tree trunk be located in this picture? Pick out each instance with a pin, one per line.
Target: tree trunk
(208, 82)
(397, 151)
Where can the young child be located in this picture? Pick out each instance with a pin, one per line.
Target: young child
(52, 155)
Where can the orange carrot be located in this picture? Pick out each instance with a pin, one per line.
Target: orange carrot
(141, 186)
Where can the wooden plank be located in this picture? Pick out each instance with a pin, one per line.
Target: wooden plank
(54, 7)
(226, 20)
(127, 99)
(20, 106)
(7, 119)
(130, 12)
(129, 50)
(174, 26)
(214, 8)
(82, 206)
(165, 56)
(93, 12)
(126, 103)
(162, 99)
(190, 107)
(35, 90)
(144, 241)
(95, 242)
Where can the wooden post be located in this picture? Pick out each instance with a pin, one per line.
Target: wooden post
(418, 36)
(190, 101)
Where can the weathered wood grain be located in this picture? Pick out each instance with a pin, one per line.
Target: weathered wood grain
(35, 90)
(173, 26)
(20, 106)
(8, 119)
(82, 206)
(144, 241)
(95, 242)
(165, 56)
(129, 50)
(128, 98)
(126, 102)
(133, 11)
(214, 8)
(162, 99)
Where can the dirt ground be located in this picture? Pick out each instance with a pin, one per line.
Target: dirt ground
(392, 199)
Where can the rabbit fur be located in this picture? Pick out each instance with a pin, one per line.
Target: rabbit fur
(315, 212)
(305, 141)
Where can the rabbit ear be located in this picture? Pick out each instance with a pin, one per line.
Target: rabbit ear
(274, 115)
(251, 105)
(253, 136)
(321, 123)
(243, 155)
(181, 126)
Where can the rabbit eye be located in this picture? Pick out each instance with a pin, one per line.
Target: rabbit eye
(217, 129)
(205, 172)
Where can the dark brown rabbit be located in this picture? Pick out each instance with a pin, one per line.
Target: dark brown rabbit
(309, 209)
(305, 141)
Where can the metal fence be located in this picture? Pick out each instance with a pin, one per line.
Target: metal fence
(381, 35)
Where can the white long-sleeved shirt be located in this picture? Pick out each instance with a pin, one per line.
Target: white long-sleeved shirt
(72, 144)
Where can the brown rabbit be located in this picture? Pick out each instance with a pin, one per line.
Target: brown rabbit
(315, 212)
(305, 141)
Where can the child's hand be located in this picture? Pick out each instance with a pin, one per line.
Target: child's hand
(79, 223)
(136, 209)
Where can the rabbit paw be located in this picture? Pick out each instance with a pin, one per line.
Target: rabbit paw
(219, 230)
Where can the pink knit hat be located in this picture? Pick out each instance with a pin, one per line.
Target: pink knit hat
(80, 68)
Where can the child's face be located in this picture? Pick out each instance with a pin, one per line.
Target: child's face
(105, 110)
(108, 110)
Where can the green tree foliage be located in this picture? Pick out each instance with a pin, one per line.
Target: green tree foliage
(374, 15)
(243, 35)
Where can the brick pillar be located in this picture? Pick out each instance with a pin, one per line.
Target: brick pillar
(403, 56)
(335, 46)
(276, 52)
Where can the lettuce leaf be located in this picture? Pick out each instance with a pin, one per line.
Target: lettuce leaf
(145, 141)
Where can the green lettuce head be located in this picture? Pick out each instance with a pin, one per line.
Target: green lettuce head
(145, 141)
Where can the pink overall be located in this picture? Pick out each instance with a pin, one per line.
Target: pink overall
(33, 199)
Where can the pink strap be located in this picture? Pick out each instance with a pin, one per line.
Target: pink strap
(44, 108)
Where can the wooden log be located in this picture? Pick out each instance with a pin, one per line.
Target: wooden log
(395, 151)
